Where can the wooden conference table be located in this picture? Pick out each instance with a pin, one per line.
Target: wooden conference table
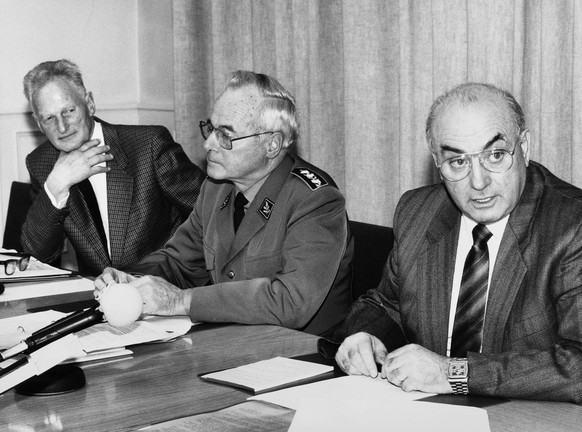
(161, 382)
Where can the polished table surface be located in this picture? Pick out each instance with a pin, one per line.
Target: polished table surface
(160, 382)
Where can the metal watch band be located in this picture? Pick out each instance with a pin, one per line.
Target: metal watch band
(460, 388)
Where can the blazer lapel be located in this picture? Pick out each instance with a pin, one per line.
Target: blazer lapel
(437, 266)
(510, 268)
(81, 217)
(119, 195)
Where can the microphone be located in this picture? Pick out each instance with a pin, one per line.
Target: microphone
(71, 323)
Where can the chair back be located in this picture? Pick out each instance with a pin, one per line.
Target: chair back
(372, 245)
(18, 205)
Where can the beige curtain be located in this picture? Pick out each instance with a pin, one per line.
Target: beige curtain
(365, 72)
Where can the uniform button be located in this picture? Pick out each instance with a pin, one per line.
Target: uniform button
(231, 274)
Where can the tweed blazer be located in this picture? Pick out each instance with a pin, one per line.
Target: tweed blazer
(532, 340)
(151, 190)
(288, 264)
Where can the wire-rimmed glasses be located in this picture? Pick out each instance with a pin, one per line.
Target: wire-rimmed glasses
(494, 160)
(224, 141)
(20, 262)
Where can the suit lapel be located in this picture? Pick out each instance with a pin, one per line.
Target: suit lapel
(81, 217)
(119, 195)
(510, 267)
(437, 266)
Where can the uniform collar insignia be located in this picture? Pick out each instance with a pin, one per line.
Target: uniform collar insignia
(226, 200)
(266, 208)
(311, 179)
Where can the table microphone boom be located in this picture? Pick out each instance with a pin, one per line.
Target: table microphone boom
(71, 323)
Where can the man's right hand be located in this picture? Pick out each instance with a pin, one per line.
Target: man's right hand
(359, 353)
(108, 277)
(77, 165)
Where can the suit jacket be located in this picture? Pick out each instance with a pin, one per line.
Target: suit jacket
(532, 340)
(288, 264)
(151, 190)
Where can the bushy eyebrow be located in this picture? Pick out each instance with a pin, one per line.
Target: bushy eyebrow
(489, 144)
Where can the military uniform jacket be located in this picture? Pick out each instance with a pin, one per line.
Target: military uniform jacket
(532, 337)
(151, 190)
(288, 264)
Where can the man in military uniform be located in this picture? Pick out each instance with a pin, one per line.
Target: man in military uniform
(268, 241)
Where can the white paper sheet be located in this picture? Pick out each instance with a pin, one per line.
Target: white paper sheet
(358, 412)
(268, 374)
(354, 403)
(24, 290)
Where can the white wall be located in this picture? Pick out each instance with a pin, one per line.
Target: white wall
(123, 47)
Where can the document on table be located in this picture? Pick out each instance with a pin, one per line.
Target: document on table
(272, 374)
(360, 403)
(100, 340)
(43, 288)
(35, 270)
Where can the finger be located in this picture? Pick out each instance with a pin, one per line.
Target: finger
(89, 144)
(362, 361)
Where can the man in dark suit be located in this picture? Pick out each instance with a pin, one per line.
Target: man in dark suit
(117, 192)
(507, 320)
(288, 260)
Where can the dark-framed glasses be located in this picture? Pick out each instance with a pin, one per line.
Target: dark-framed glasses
(494, 160)
(224, 141)
(20, 262)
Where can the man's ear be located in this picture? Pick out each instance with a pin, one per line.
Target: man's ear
(90, 103)
(37, 121)
(274, 144)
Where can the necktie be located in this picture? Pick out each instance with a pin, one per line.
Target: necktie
(470, 313)
(239, 209)
(91, 200)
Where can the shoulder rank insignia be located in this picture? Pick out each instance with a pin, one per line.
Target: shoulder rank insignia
(311, 179)
(266, 208)
(225, 202)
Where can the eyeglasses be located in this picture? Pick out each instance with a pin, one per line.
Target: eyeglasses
(10, 265)
(495, 160)
(224, 141)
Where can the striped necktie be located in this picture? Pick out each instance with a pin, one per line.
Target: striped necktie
(470, 313)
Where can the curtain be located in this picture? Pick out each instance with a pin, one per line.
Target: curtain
(365, 72)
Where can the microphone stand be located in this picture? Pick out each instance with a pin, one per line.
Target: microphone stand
(62, 378)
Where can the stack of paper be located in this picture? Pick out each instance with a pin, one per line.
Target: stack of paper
(269, 375)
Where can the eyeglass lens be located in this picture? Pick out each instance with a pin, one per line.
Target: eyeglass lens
(10, 266)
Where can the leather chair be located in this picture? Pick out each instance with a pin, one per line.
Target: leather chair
(372, 245)
(18, 206)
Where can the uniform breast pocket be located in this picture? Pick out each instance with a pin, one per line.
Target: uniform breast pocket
(263, 266)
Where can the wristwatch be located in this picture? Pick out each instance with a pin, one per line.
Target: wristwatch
(458, 375)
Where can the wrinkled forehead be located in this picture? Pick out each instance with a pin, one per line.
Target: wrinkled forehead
(236, 108)
(472, 125)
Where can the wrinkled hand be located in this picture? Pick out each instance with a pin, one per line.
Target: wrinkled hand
(359, 353)
(160, 297)
(108, 277)
(413, 367)
(77, 165)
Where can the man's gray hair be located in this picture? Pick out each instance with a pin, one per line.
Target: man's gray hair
(277, 110)
(48, 71)
(473, 92)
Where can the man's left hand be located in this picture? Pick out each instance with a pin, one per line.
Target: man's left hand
(160, 297)
(413, 367)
